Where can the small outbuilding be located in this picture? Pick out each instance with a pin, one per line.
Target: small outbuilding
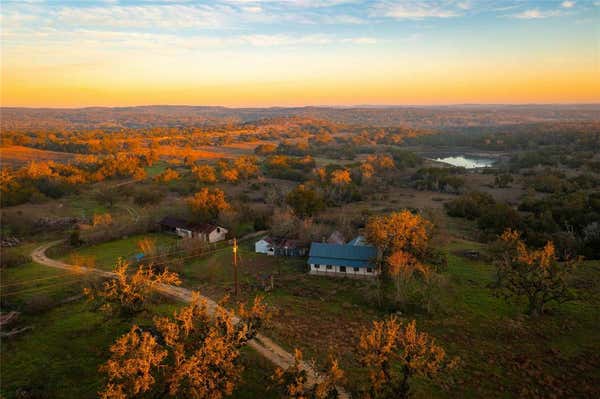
(203, 231)
(281, 246)
(264, 246)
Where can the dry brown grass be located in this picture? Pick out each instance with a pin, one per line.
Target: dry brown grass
(16, 155)
(209, 152)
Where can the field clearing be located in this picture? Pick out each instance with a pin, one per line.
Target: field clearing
(16, 155)
(240, 148)
(107, 254)
(208, 152)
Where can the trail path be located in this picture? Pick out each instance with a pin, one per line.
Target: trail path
(262, 344)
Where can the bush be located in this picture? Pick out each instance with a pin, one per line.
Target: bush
(145, 196)
(471, 205)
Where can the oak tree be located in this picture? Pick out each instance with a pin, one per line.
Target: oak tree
(533, 274)
(394, 353)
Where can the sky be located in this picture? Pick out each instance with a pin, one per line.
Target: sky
(65, 53)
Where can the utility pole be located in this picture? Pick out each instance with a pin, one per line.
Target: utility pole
(235, 267)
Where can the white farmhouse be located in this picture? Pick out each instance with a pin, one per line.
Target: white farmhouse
(264, 246)
(206, 232)
(352, 259)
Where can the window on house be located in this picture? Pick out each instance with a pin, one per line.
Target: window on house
(356, 269)
(317, 266)
(328, 267)
(218, 229)
(369, 270)
(343, 269)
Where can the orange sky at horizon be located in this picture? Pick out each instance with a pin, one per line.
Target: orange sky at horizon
(494, 88)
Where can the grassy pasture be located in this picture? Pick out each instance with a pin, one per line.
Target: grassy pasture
(106, 254)
(59, 357)
(503, 352)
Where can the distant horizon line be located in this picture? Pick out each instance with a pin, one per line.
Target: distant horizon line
(308, 106)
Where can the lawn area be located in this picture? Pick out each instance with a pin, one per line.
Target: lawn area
(156, 169)
(106, 254)
(59, 357)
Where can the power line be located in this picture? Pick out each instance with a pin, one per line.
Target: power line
(189, 257)
(36, 279)
(185, 250)
(40, 289)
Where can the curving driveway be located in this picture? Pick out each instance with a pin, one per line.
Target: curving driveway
(262, 344)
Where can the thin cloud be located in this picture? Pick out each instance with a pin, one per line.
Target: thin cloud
(417, 10)
(537, 14)
(567, 4)
(117, 40)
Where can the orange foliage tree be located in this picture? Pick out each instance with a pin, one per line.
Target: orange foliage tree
(205, 173)
(393, 353)
(294, 382)
(247, 166)
(367, 171)
(402, 232)
(206, 204)
(198, 356)
(133, 358)
(536, 275)
(230, 175)
(102, 219)
(129, 293)
(167, 176)
(402, 239)
(340, 177)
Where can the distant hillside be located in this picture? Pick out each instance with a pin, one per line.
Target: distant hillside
(435, 117)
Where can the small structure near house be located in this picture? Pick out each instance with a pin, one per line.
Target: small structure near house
(264, 246)
(471, 253)
(342, 259)
(287, 247)
(358, 240)
(280, 247)
(203, 231)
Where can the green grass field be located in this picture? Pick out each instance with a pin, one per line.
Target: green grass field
(156, 169)
(107, 254)
(68, 340)
(503, 353)
(501, 349)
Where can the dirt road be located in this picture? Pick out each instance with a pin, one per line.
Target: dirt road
(262, 344)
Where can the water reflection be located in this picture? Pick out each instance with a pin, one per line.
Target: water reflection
(466, 162)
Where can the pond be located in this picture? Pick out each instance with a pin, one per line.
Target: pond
(467, 162)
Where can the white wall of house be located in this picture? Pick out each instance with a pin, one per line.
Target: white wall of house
(183, 233)
(263, 247)
(217, 234)
(339, 270)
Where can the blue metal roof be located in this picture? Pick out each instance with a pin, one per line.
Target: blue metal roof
(341, 255)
